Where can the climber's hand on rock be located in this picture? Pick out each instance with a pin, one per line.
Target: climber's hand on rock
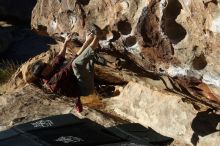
(68, 38)
(89, 36)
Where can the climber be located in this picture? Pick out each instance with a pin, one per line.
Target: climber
(76, 78)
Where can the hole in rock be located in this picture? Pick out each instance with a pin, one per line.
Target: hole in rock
(210, 1)
(199, 62)
(107, 91)
(116, 36)
(172, 29)
(83, 2)
(124, 27)
(130, 41)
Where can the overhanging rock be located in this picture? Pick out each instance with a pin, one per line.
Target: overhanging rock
(174, 37)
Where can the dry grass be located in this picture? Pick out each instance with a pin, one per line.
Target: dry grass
(92, 101)
(7, 69)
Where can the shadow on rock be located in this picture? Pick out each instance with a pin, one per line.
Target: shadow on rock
(84, 2)
(17, 12)
(135, 130)
(22, 44)
(107, 91)
(203, 124)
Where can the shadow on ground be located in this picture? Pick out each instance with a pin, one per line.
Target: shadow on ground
(205, 123)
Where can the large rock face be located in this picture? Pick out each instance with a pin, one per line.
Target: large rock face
(173, 42)
(175, 37)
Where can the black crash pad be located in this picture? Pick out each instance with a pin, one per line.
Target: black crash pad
(69, 130)
(62, 130)
(137, 132)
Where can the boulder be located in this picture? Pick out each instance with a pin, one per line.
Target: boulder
(148, 103)
(166, 50)
(172, 37)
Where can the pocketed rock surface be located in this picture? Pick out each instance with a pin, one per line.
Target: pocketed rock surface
(168, 69)
(174, 37)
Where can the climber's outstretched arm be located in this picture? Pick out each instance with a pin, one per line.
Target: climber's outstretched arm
(63, 50)
(89, 39)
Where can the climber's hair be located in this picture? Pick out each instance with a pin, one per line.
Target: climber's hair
(37, 68)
